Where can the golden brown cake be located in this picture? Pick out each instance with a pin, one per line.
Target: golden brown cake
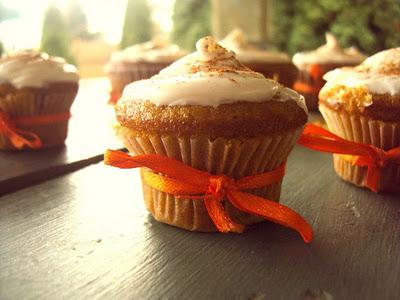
(314, 64)
(362, 104)
(140, 61)
(272, 64)
(216, 115)
(36, 93)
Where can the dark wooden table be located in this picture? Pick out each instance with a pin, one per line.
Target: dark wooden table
(86, 235)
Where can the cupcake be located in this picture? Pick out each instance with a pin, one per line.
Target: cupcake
(362, 104)
(216, 115)
(314, 64)
(274, 65)
(36, 93)
(138, 62)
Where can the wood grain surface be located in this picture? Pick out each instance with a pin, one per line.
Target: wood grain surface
(90, 132)
(86, 235)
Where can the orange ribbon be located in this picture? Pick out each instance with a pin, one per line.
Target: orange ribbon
(316, 72)
(184, 181)
(114, 97)
(317, 138)
(302, 87)
(19, 137)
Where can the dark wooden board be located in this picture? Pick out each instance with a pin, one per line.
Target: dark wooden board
(90, 132)
(86, 235)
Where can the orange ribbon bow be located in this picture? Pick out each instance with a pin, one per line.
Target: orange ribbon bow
(317, 138)
(186, 182)
(19, 137)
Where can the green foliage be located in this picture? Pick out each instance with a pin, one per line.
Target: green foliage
(191, 22)
(55, 36)
(1, 49)
(370, 25)
(137, 24)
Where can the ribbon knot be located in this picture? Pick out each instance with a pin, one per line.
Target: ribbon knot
(18, 137)
(380, 159)
(174, 177)
(363, 155)
(220, 184)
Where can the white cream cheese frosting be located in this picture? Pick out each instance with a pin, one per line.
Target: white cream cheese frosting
(29, 68)
(379, 74)
(331, 52)
(210, 76)
(245, 52)
(155, 50)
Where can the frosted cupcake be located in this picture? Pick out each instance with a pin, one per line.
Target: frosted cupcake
(36, 93)
(216, 115)
(274, 65)
(138, 62)
(314, 64)
(362, 104)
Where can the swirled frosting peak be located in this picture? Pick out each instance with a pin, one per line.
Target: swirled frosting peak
(209, 76)
(29, 68)
(331, 52)
(379, 74)
(237, 41)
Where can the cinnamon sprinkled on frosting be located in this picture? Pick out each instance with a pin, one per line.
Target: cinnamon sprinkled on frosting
(379, 74)
(210, 76)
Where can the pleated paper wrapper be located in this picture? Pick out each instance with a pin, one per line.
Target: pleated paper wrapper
(352, 127)
(233, 157)
(29, 103)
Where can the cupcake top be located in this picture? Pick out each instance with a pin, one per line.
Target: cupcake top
(156, 50)
(29, 68)
(375, 82)
(210, 76)
(378, 74)
(245, 52)
(331, 52)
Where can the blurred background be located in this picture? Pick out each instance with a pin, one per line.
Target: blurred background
(87, 32)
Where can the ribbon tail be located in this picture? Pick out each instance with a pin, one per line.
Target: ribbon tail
(373, 178)
(271, 211)
(218, 215)
(18, 140)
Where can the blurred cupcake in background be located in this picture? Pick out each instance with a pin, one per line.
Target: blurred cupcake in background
(314, 64)
(274, 65)
(140, 61)
(36, 94)
(362, 104)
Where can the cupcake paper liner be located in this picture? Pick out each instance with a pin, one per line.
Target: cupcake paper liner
(233, 157)
(364, 130)
(35, 103)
